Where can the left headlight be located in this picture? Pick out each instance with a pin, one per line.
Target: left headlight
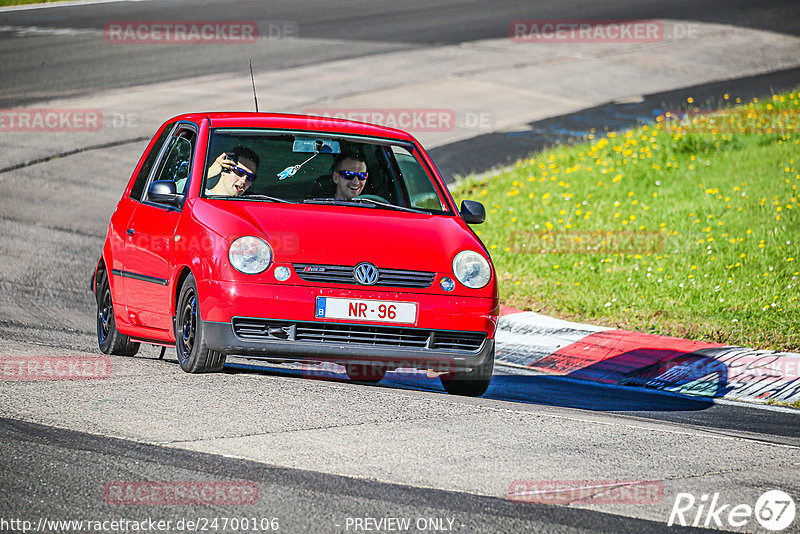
(250, 255)
(472, 269)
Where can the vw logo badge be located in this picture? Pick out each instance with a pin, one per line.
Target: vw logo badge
(366, 274)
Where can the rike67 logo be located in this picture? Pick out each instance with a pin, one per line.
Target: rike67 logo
(774, 510)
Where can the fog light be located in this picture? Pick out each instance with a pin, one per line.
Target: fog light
(281, 273)
(447, 283)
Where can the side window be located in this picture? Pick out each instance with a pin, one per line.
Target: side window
(147, 166)
(177, 161)
(421, 190)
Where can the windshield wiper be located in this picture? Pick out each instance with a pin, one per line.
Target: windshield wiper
(362, 202)
(390, 206)
(253, 197)
(334, 201)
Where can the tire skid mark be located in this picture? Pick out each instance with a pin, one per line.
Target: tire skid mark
(46, 335)
(37, 290)
(39, 224)
(66, 153)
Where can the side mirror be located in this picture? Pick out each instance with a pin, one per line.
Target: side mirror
(473, 212)
(164, 192)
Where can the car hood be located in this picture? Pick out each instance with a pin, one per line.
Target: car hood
(343, 235)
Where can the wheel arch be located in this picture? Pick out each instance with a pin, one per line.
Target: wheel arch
(183, 274)
(99, 270)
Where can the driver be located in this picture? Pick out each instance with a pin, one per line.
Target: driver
(349, 173)
(236, 171)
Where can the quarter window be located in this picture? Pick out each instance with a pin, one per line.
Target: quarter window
(177, 162)
(141, 179)
(421, 191)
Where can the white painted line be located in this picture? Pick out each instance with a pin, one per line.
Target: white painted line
(26, 7)
(28, 31)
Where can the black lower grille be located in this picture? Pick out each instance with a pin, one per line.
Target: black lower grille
(457, 340)
(361, 335)
(343, 274)
(356, 334)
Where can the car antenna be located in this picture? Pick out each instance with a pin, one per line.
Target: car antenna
(252, 79)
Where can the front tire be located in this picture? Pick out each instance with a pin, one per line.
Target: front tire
(473, 383)
(193, 354)
(109, 339)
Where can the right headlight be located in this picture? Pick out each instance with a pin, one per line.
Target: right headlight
(250, 255)
(472, 269)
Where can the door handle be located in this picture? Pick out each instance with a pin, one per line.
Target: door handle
(130, 231)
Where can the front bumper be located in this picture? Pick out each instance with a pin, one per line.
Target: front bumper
(222, 301)
(277, 322)
(394, 347)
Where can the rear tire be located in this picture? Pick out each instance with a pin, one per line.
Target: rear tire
(472, 383)
(193, 354)
(109, 339)
(365, 372)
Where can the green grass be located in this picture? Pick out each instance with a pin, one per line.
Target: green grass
(676, 228)
(21, 2)
(795, 404)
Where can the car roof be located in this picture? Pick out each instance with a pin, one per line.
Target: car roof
(285, 121)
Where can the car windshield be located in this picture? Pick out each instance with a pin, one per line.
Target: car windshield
(316, 167)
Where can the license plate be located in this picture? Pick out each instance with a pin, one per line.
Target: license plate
(366, 310)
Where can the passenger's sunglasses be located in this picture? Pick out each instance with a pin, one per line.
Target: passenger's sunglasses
(238, 171)
(349, 175)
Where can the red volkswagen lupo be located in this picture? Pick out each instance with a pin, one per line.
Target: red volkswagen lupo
(297, 239)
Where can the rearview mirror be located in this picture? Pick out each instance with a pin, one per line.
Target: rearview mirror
(323, 146)
(472, 212)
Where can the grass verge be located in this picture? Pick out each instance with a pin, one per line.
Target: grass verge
(773, 402)
(685, 227)
(4, 3)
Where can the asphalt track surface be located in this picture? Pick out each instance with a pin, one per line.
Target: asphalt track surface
(46, 257)
(302, 501)
(72, 63)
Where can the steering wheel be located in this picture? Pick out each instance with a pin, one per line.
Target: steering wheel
(374, 197)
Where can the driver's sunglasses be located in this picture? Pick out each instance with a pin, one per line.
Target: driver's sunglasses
(238, 171)
(349, 175)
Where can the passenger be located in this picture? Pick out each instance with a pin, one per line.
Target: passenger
(236, 171)
(349, 173)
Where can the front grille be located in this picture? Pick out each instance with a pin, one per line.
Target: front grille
(343, 274)
(356, 334)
